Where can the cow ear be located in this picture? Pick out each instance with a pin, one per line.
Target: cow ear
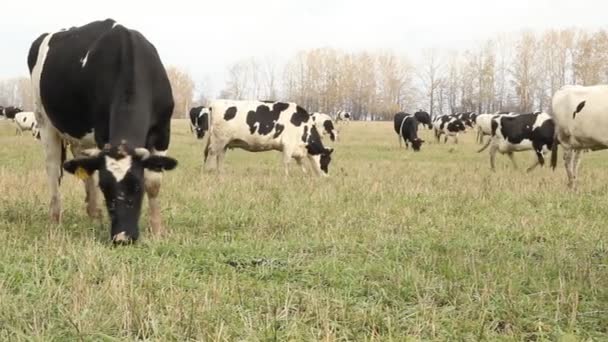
(159, 163)
(329, 151)
(82, 167)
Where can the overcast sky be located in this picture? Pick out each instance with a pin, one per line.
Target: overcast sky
(205, 37)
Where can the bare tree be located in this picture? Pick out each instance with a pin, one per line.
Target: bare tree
(430, 75)
(182, 87)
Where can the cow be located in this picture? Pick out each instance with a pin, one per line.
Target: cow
(325, 124)
(448, 125)
(581, 123)
(102, 89)
(406, 127)
(25, 121)
(10, 112)
(343, 116)
(199, 121)
(258, 126)
(521, 132)
(467, 118)
(484, 124)
(424, 118)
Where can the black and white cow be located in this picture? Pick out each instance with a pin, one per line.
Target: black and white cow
(343, 116)
(406, 127)
(521, 132)
(467, 118)
(424, 118)
(449, 126)
(10, 112)
(102, 87)
(199, 121)
(581, 123)
(325, 124)
(257, 126)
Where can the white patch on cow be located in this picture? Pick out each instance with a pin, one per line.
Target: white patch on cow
(25, 120)
(83, 61)
(118, 167)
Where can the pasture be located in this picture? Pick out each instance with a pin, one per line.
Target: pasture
(394, 245)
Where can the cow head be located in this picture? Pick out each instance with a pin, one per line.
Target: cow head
(202, 123)
(121, 179)
(416, 144)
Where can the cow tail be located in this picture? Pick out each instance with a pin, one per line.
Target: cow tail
(485, 146)
(554, 151)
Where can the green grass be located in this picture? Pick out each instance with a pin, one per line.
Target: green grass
(395, 245)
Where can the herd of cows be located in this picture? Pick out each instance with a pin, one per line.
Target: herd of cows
(102, 90)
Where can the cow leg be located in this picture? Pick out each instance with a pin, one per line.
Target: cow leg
(456, 139)
(576, 160)
(512, 157)
(493, 151)
(300, 161)
(286, 159)
(152, 182)
(568, 158)
(445, 140)
(54, 154)
(90, 188)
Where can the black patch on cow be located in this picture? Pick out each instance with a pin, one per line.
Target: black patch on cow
(299, 117)
(578, 109)
(263, 119)
(278, 129)
(305, 134)
(230, 113)
(314, 143)
(329, 128)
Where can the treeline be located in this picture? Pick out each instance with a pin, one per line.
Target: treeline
(517, 72)
(371, 85)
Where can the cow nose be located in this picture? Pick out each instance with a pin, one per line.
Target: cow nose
(122, 239)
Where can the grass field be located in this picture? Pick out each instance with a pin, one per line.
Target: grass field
(394, 246)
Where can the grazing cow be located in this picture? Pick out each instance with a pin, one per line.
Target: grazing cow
(448, 125)
(325, 124)
(199, 121)
(102, 87)
(424, 118)
(257, 126)
(343, 116)
(521, 132)
(24, 121)
(581, 120)
(484, 124)
(406, 126)
(10, 112)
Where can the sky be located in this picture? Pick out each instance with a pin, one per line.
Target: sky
(205, 37)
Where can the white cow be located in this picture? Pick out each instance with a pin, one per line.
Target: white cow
(25, 121)
(257, 126)
(581, 123)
